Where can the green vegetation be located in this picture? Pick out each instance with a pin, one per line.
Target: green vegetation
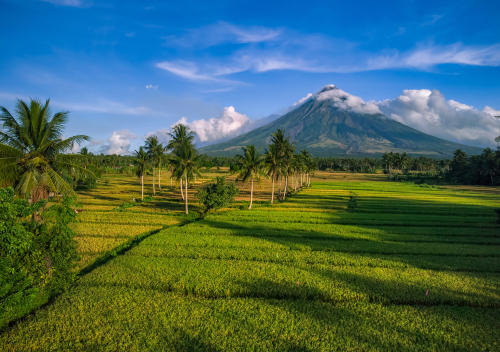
(343, 264)
(36, 258)
(32, 158)
(217, 195)
(406, 268)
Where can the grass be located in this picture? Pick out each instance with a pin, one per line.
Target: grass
(402, 267)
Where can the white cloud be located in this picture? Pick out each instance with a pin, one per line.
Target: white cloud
(229, 124)
(429, 112)
(74, 3)
(262, 49)
(223, 32)
(150, 86)
(118, 143)
(346, 101)
(301, 101)
(107, 107)
(190, 71)
(161, 134)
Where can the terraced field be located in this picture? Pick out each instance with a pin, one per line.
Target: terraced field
(344, 265)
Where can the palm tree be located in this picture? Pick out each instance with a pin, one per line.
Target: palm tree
(186, 165)
(388, 161)
(153, 149)
(310, 167)
(272, 165)
(251, 164)
(305, 157)
(141, 160)
(397, 162)
(287, 158)
(488, 164)
(32, 158)
(180, 135)
(160, 158)
(278, 138)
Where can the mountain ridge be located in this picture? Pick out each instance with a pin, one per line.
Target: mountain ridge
(335, 123)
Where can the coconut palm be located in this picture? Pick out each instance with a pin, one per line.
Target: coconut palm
(32, 151)
(251, 165)
(272, 165)
(278, 138)
(388, 161)
(180, 135)
(287, 158)
(488, 164)
(141, 159)
(153, 149)
(186, 164)
(305, 157)
(310, 168)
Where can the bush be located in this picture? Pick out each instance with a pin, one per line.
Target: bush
(217, 195)
(37, 253)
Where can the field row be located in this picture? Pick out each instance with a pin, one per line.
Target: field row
(114, 319)
(226, 278)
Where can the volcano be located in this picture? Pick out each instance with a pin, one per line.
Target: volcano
(333, 123)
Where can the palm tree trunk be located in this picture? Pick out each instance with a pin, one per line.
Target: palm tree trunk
(154, 193)
(279, 188)
(182, 194)
(272, 192)
(187, 212)
(159, 178)
(491, 175)
(251, 195)
(142, 187)
(285, 187)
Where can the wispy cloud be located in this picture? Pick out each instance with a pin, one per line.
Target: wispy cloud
(150, 86)
(434, 19)
(223, 32)
(74, 3)
(260, 49)
(191, 71)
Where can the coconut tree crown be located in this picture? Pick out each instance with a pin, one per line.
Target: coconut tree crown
(32, 151)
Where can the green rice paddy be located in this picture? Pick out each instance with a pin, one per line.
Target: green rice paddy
(347, 266)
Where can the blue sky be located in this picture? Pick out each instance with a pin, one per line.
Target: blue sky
(129, 69)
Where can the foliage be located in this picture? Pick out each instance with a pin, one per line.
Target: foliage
(32, 158)
(481, 169)
(217, 195)
(229, 281)
(127, 205)
(35, 255)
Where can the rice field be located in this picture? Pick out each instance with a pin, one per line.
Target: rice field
(352, 263)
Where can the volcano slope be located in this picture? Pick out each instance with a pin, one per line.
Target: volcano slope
(339, 266)
(336, 123)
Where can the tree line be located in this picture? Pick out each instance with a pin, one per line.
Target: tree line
(279, 163)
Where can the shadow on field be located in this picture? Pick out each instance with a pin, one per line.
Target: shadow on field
(184, 341)
(359, 327)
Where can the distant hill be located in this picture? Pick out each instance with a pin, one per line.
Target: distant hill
(333, 123)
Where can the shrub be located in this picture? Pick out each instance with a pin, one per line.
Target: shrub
(217, 195)
(37, 253)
